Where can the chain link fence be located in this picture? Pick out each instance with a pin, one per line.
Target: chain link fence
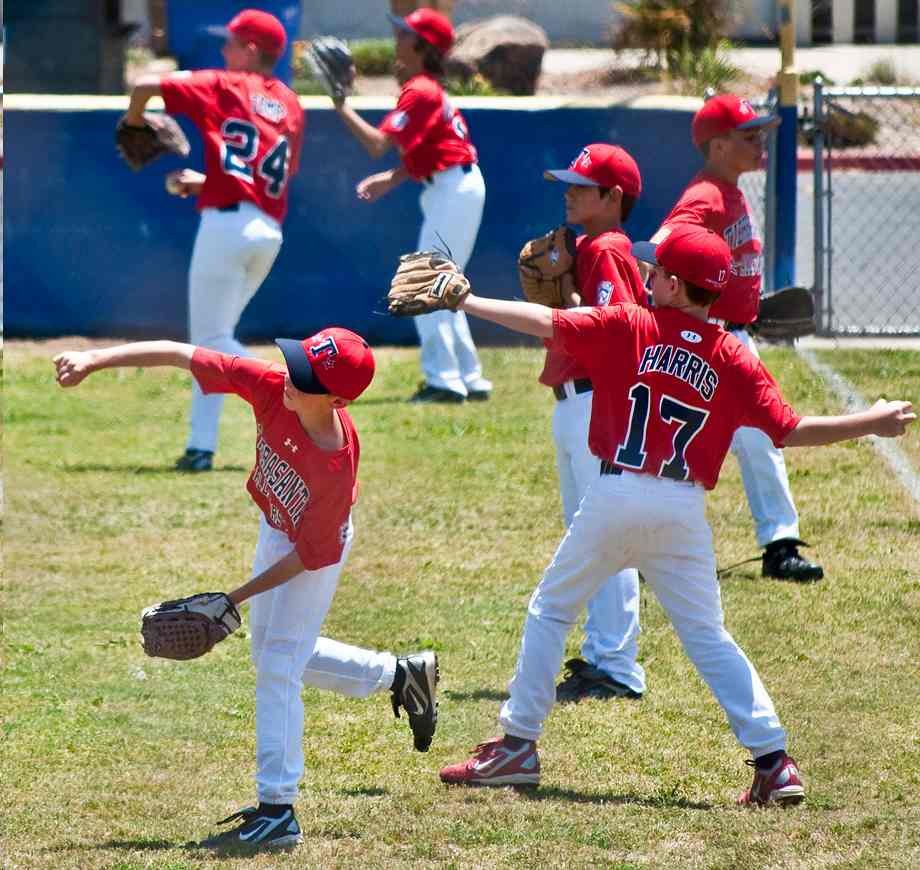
(866, 209)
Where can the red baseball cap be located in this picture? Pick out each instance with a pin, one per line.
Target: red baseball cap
(335, 361)
(432, 26)
(260, 28)
(727, 112)
(694, 253)
(601, 165)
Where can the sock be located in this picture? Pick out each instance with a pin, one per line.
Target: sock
(274, 811)
(513, 742)
(399, 678)
(770, 760)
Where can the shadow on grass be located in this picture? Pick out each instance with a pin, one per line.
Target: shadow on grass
(369, 791)
(140, 844)
(91, 467)
(569, 795)
(476, 695)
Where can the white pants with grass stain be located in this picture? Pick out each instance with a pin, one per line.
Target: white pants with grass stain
(658, 526)
(289, 653)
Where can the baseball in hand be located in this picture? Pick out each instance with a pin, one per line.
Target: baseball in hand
(173, 185)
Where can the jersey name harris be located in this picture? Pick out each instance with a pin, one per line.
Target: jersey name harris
(682, 364)
(276, 476)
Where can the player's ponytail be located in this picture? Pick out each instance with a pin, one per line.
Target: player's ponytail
(432, 59)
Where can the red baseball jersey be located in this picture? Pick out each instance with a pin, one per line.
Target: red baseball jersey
(669, 389)
(252, 127)
(304, 491)
(429, 132)
(721, 207)
(605, 272)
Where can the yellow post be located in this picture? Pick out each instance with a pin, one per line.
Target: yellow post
(788, 83)
(786, 152)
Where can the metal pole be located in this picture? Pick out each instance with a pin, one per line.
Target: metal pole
(820, 249)
(786, 148)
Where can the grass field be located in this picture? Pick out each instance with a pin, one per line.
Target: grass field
(111, 759)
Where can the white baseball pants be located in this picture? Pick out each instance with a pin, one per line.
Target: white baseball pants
(452, 206)
(763, 472)
(612, 627)
(660, 526)
(288, 653)
(234, 252)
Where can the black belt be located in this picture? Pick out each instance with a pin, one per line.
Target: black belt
(610, 468)
(235, 206)
(466, 167)
(581, 385)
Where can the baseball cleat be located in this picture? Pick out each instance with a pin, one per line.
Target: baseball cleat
(418, 696)
(258, 831)
(780, 785)
(478, 395)
(427, 394)
(782, 560)
(195, 460)
(583, 680)
(495, 763)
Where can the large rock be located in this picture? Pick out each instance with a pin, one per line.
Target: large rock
(505, 50)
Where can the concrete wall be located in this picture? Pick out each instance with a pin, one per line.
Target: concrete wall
(94, 249)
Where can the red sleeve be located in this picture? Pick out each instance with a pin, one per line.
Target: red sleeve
(765, 407)
(252, 379)
(609, 281)
(188, 93)
(297, 144)
(415, 112)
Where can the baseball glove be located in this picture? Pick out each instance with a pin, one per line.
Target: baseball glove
(786, 314)
(188, 627)
(333, 67)
(545, 268)
(426, 281)
(140, 146)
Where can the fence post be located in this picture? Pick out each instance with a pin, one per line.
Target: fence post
(818, 203)
(786, 148)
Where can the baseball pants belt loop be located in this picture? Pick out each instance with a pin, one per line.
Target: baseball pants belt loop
(575, 387)
(610, 468)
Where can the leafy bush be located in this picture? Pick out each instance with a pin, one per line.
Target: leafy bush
(664, 26)
(701, 69)
(882, 72)
(476, 86)
(373, 57)
(808, 77)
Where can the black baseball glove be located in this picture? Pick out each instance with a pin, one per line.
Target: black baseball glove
(332, 65)
(786, 314)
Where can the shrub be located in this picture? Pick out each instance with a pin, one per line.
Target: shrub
(702, 69)
(882, 72)
(808, 77)
(373, 57)
(663, 26)
(475, 86)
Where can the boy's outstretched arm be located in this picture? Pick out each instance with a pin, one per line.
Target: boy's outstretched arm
(884, 418)
(72, 366)
(526, 317)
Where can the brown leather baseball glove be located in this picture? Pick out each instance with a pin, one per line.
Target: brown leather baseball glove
(545, 267)
(188, 627)
(785, 315)
(140, 146)
(426, 281)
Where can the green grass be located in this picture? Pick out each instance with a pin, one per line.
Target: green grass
(114, 760)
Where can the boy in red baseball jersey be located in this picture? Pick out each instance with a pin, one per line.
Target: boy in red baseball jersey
(435, 150)
(304, 482)
(252, 125)
(670, 389)
(603, 184)
(730, 134)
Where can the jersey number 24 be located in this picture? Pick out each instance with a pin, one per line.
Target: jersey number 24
(239, 150)
(632, 454)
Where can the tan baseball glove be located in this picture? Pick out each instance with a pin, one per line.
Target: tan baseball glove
(188, 627)
(426, 281)
(140, 146)
(546, 266)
